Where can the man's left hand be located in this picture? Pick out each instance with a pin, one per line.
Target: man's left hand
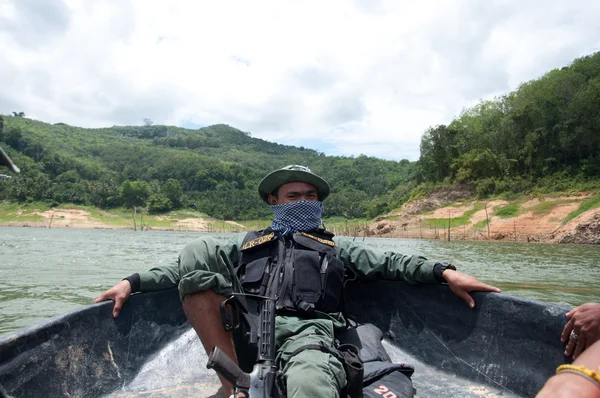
(461, 284)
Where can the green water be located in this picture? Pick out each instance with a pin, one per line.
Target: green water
(44, 272)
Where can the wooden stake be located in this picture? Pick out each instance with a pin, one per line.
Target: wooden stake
(487, 220)
(448, 225)
(134, 219)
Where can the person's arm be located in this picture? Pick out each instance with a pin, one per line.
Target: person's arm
(157, 278)
(209, 264)
(581, 379)
(370, 264)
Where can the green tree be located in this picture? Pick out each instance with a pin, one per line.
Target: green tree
(171, 190)
(158, 203)
(134, 193)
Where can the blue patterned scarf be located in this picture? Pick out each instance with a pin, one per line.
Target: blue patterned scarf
(303, 215)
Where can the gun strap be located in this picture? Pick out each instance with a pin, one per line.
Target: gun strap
(319, 347)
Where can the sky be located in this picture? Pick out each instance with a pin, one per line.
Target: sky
(342, 77)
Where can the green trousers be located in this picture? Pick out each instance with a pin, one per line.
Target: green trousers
(203, 265)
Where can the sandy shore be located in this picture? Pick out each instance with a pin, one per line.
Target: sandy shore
(77, 218)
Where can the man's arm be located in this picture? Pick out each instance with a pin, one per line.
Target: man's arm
(157, 278)
(370, 264)
(165, 277)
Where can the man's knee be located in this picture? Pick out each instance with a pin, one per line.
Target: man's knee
(313, 373)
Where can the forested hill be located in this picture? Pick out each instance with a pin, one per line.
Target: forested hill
(545, 134)
(543, 137)
(215, 169)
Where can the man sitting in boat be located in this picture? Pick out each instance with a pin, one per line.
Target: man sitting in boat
(298, 261)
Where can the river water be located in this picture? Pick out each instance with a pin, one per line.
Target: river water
(44, 272)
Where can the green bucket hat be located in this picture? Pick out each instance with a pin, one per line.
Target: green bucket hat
(292, 173)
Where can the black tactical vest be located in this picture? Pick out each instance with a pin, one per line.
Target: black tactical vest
(301, 271)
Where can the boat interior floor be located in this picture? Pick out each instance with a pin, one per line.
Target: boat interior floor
(179, 370)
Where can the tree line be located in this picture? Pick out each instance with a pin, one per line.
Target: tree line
(547, 130)
(215, 170)
(544, 134)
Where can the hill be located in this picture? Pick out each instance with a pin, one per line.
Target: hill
(541, 140)
(215, 170)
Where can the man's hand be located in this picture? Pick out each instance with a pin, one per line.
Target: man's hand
(119, 293)
(461, 284)
(583, 328)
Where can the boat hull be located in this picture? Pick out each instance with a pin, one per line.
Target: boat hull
(505, 346)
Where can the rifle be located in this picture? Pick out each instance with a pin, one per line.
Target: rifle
(262, 381)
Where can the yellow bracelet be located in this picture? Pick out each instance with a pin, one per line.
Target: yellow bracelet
(581, 371)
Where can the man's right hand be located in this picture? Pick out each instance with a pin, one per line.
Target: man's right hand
(119, 293)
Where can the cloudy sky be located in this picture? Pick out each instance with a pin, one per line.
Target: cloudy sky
(343, 77)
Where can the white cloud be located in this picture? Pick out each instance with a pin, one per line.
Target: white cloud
(357, 77)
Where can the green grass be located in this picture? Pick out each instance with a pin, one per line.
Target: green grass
(455, 221)
(546, 207)
(588, 204)
(481, 224)
(508, 211)
(9, 212)
(344, 226)
(252, 225)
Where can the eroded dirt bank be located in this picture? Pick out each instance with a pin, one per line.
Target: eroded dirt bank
(534, 220)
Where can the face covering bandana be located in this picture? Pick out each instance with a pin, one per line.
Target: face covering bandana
(298, 216)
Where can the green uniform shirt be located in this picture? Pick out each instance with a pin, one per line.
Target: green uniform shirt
(215, 257)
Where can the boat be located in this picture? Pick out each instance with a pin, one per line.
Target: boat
(504, 347)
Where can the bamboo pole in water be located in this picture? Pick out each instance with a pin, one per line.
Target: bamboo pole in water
(487, 220)
(134, 219)
(448, 225)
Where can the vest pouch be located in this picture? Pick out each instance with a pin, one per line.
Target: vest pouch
(253, 274)
(333, 289)
(318, 281)
(307, 280)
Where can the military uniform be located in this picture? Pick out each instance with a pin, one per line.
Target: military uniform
(208, 263)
